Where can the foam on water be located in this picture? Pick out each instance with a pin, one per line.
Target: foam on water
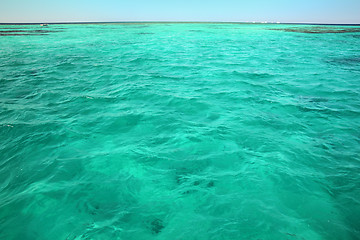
(179, 131)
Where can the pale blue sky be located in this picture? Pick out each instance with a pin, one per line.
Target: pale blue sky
(319, 11)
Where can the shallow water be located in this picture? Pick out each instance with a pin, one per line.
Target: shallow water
(179, 131)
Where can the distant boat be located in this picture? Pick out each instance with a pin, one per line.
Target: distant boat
(43, 25)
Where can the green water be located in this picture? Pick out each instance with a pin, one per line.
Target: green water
(179, 131)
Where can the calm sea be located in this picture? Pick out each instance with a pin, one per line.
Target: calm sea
(179, 131)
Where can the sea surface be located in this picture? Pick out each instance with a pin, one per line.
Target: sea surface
(179, 131)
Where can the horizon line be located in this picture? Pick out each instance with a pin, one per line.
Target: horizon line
(214, 22)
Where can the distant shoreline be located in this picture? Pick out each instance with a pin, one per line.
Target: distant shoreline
(154, 22)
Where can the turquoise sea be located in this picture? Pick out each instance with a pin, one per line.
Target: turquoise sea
(179, 131)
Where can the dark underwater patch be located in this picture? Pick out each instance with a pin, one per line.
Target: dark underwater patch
(145, 33)
(22, 32)
(318, 30)
(27, 31)
(156, 226)
(348, 61)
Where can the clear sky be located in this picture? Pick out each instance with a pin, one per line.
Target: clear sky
(319, 11)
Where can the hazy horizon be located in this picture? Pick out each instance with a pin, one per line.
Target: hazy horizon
(174, 22)
(321, 11)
